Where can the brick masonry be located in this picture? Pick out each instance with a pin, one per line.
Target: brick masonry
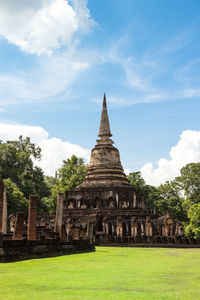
(32, 217)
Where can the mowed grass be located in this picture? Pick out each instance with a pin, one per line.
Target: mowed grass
(108, 273)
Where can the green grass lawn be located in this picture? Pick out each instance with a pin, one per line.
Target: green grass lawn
(108, 273)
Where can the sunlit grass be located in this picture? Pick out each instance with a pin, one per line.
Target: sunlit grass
(108, 273)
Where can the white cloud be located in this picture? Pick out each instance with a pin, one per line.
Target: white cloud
(54, 150)
(51, 76)
(13, 131)
(43, 26)
(186, 151)
(127, 171)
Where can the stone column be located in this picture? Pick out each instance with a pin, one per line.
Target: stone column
(142, 229)
(134, 227)
(1, 240)
(19, 226)
(90, 227)
(119, 227)
(117, 199)
(134, 200)
(59, 214)
(32, 217)
(3, 208)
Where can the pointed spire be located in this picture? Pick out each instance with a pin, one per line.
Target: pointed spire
(104, 131)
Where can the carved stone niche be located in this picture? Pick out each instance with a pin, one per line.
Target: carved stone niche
(100, 222)
(179, 231)
(76, 233)
(119, 229)
(170, 225)
(71, 203)
(83, 203)
(111, 203)
(124, 203)
(134, 227)
(142, 229)
(149, 229)
(97, 203)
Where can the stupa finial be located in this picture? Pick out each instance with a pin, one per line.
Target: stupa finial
(104, 131)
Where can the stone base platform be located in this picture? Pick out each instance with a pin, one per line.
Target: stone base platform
(143, 241)
(16, 250)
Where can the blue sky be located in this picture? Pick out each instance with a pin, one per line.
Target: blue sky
(58, 57)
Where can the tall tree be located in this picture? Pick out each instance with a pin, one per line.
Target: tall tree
(193, 227)
(148, 192)
(71, 173)
(170, 200)
(165, 198)
(68, 177)
(17, 165)
(189, 181)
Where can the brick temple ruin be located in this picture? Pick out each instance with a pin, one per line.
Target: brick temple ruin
(104, 210)
(38, 236)
(116, 209)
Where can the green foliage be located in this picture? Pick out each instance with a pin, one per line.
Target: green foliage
(71, 173)
(190, 182)
(165, 198)
(193, 228)
(15, 198)
(16, 164)
(69, 176)
(135, 179)
(16, 159)
(54, 187)
(170, 200)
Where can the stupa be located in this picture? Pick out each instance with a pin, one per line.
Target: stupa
(105, 167)
(106, 200)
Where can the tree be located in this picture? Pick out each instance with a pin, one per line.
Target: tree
(193, 227)
(148, 192)
(170, 200)
(71, 173)
(165, 198)
(69, 176)
(55, 187)
(135, 179)
(16, 159)
(17, 164)
(15, 198)
(190, 182)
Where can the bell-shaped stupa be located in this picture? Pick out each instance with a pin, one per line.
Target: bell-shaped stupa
(105, 166)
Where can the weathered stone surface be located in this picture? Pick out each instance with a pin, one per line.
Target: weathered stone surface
(3, 208)
(14, 250)
(19, 226)
(32, 217)
(59, 214)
